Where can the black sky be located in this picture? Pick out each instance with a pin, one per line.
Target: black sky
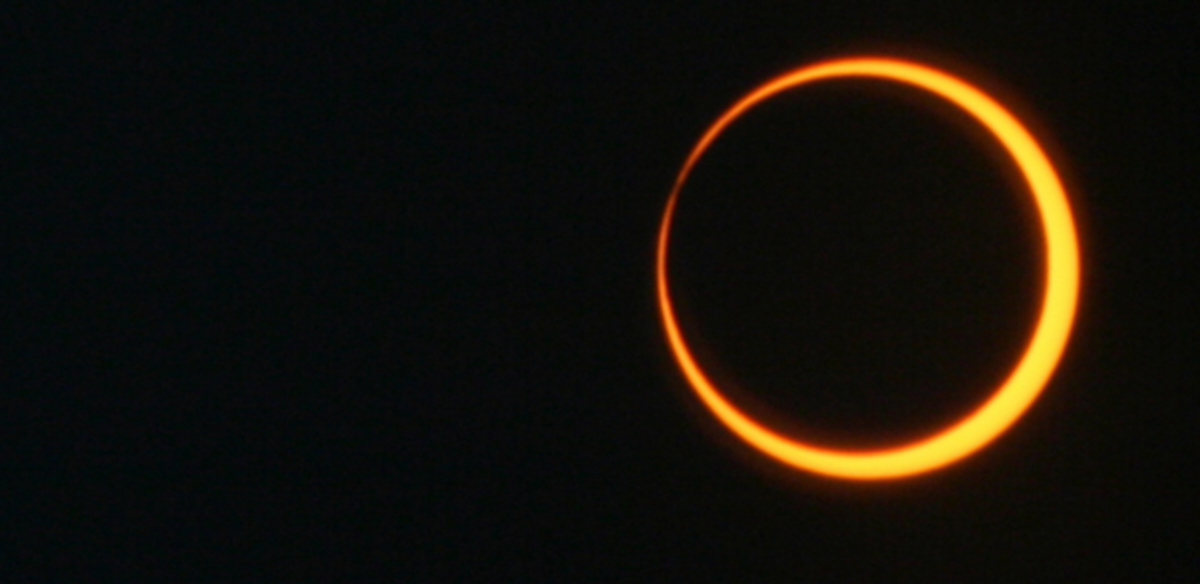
(367, 295)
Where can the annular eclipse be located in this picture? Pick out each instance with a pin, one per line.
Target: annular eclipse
(1028, 377)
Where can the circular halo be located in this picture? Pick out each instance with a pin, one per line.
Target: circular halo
(1026, 380)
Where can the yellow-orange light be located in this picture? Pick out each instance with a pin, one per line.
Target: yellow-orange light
(1041, 356)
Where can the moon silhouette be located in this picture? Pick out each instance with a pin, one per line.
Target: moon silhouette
(1027, 379)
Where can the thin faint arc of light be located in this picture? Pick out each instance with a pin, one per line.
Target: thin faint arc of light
(1016, 394)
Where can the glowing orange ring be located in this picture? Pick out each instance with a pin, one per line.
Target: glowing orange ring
(1025, 382)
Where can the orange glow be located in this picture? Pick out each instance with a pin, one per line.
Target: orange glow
(1026, 380)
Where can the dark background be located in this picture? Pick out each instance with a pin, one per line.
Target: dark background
(368, 295)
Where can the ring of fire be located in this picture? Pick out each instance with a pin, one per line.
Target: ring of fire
(1026, 380)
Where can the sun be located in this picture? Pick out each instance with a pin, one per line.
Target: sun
(1027, 379)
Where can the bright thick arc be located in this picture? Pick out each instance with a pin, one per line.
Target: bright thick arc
(1041, 356)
